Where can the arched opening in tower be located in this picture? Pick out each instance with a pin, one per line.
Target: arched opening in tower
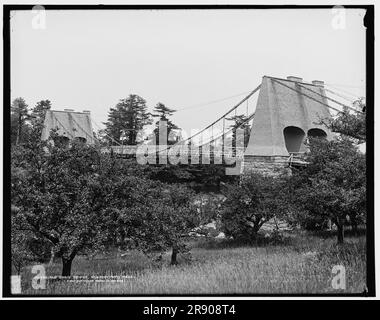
(80, 139)
(294, 137)
(317, 133)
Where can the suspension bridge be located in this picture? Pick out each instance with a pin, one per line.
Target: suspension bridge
(287, 111)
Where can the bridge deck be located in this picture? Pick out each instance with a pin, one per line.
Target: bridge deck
(229, 155)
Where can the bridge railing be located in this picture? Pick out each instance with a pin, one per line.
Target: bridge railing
(194, 151)
(297, 158)
(123, 150)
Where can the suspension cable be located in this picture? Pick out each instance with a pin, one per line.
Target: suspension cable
(342, 91)
(90, 136)
(64, 128)
(340, 95)
(337, 102)
(212, 102)
(328, 106)
(228, 131)
(112, 139)
(220, 118)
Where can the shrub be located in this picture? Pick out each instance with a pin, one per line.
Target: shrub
(333, 186)
(250, 204)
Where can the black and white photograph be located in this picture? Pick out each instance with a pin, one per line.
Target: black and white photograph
(188, 151)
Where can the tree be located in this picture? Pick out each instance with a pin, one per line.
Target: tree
(21, 255)
(38, 113)
(249, 204)
(162, 219)
(62, 196)
(81, 200)
(163, 113)
(351, 124)
(127, 118)
(333, 185)
(198, 177)
(240, 121)
(19, 117)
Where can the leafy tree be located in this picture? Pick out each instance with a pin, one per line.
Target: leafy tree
(333, 185)
(163, 219)
(351, 124)
(61, 196)
(209, 206)
(19, 116)
(21, 254)
(197, 177)
(169, 173)
(127, 118)
(82, 201)
(250, 204)
(163, 113)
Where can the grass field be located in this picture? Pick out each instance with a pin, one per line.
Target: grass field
(303, 264)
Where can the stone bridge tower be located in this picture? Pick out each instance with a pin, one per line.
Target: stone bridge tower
(69, 125)
(287, 112)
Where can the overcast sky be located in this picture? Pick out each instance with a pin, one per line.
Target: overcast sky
(88, 60)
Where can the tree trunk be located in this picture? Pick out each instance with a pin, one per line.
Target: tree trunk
(340, 230)
(66, 267)
(174, 256)
(66, 263)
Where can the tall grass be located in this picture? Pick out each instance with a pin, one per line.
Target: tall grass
(304, 265)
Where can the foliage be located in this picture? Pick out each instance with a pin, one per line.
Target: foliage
(23, 120)
(333, 185)
(200, 177)
(127, 118)
(61, 196)
(162, 219)
(83, 201)
(334, 181)
(240, 121)
(250, 204)
(21, 254)
(38, 114)
(19, 117)
(163, 113)
(209, 206)
(351, 124)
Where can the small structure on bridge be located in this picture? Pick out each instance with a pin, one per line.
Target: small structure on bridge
(70, 125)
(288, 111)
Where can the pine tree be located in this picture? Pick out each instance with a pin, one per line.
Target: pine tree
(39, 111)
(19, 116)
(127, 118)
(163, 113)
(240, 121)
(38, 114)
